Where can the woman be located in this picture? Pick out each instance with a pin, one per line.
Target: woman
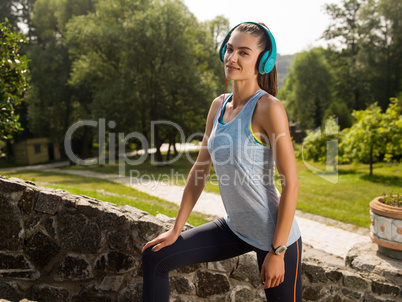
(246, 134)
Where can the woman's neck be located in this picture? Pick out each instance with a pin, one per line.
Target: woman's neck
(243, 91)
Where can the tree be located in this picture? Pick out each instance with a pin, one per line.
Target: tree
(367, 56)
(52, 104)
(14, 78)
(374, 134)
(308, 88)
(159, 71)
(346, 31)
(381, 52)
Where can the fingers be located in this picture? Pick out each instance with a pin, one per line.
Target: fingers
(156, 241)
(271, 281)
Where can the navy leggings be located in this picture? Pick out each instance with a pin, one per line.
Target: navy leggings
(214, 241)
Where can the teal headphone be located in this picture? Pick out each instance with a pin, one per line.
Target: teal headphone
(267, 58)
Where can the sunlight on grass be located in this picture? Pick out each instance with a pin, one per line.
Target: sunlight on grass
(347, 200)
(92, 187)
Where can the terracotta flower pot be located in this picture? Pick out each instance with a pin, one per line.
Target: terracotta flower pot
(386, 228)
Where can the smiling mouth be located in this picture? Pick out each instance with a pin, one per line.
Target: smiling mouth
(232, 68)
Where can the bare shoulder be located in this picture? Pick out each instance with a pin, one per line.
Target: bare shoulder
(216, 103)
(270, 112)
(268, 104)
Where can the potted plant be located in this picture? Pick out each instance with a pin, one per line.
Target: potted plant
(386, 224)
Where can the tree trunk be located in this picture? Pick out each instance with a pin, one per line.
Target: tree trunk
(371, 159)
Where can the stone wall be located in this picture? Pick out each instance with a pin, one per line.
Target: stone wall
(55, 246)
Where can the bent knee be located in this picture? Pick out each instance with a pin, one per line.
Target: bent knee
(154, 261)
(148, 256)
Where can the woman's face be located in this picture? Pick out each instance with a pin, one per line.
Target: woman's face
(241, 56)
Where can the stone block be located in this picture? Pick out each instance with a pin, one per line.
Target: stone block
(88, 206)
(111, 220)
(41, 249)
(9, 292)
(132, 292)
(227, 266)
(368, 297)
(333, 274)
(312, 293)
(182, 298)
(11, 231)
(48, 202)
(351, 293)
(10, 185)
(77, 233)
(16, 266)
(209, 284)
(90, 294)
(73, 268)
(116, 262)
(148, 227)
(189, 269)
(247, 270)
(181, 284)
(27, 202)
(354, 281)
(241, 293)
(315, 273)
(383, 287)
(121, 239)
(111, 283)
(14, 262)
(47, 293)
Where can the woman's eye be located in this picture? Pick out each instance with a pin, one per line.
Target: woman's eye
(243, 53)
(228, 49)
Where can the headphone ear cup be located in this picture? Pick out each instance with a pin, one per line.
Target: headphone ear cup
(264, 58)
(222, 51)
(270, 65)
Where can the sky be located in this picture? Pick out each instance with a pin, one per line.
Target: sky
(296, 24)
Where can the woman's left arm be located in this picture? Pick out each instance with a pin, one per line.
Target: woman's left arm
(276, 126)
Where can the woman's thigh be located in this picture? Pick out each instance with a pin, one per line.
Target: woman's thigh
(290, 290)
(213, 241)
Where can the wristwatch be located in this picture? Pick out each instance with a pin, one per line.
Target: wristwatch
(279, 250)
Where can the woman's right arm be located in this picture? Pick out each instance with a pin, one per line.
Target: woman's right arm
(195, 183)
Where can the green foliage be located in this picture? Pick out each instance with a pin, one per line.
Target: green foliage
(283, 64)
(374, 134)
(366, 55)
(315, 144)
(392, 199)
(163, 69)
(307, 91)
(14, 78)
(341, 111)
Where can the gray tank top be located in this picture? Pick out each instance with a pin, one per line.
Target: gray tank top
(245, 170)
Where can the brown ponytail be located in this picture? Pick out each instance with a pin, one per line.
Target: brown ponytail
(268, 81)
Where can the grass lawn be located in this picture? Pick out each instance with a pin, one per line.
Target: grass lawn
(92, 187)
(345, 199)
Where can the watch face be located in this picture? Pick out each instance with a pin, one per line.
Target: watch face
(280, 250)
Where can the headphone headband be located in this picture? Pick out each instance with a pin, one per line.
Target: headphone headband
(268, 58)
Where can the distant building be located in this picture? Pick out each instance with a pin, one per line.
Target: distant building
(35, 150)
(297, 134)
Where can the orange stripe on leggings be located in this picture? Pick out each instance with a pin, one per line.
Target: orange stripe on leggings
(297, 267)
